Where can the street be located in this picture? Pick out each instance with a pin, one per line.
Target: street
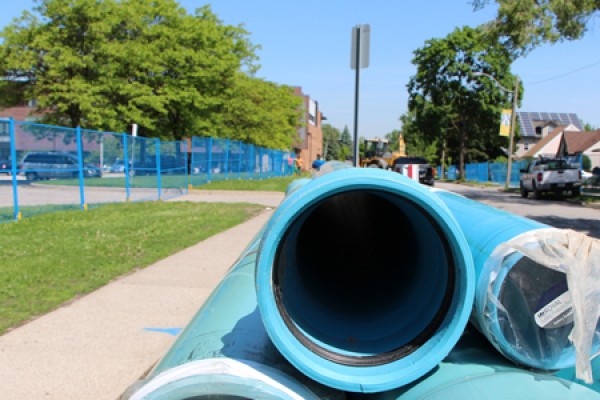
(554, 211)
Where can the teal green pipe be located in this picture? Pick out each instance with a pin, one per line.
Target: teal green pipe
(569, 374)
(522, 286)
(364, 279)
(474, 370)
(225, 352)
(387, 317)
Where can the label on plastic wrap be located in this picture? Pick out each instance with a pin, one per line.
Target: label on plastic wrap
(555, 314)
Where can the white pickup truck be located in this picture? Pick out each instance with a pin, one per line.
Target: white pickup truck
(550, 175)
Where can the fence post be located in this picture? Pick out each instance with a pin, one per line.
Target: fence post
(126, 167)
(252, 162)
(209, 153)
(13, 155)
(158, 182)
(226, 164)
(188, 178)
(80, 161)
(241, 150)
(260, 162)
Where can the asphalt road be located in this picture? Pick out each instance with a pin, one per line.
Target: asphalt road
(552, 210)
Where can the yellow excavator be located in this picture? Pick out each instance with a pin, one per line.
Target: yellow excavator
(377, 153)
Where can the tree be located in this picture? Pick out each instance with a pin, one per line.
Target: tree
(523, 25)
(260, 112)
(346, 148)
(416, 143)
(588, 127)
(106, 64)
(331, 142)
(392, 138)
(449, 105)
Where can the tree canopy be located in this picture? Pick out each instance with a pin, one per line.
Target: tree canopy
(523, 25)
(331, 142)
(450, 105)
(106, 64)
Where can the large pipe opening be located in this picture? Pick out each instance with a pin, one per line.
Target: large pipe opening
(364, 277)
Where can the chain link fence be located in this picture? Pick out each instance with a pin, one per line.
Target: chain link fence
(487, 172)
(59, 168)
(214, 159)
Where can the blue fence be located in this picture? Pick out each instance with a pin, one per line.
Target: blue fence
(215, 159)
(487, 172)
(61, 168)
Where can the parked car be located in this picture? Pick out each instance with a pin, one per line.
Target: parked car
(425, 170)
(92, 171)
(51, 165)
(550, 175)
(47, 165)
(168, 165)
(5, 167)
(118, 166)
(586, 175)
(594, 180)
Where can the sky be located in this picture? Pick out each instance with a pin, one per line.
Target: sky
(307, 43)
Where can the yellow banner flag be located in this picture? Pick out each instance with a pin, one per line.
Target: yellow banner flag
(505, 122)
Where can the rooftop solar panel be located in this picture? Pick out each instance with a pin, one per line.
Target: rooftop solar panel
(530, 120)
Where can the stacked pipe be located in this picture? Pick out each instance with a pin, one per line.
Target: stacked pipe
(362, 281)
(538, 288)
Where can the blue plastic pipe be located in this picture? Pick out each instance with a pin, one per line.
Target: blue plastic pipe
(474, 370)
(364, 280)
(224, 352)
(513, 288)
(569, 374)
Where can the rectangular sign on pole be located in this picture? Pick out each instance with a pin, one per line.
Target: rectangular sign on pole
(505, 123)
(365, 39)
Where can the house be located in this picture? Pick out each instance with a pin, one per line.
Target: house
(567, 142)
(549, 145)
(577, 143)
(535, 126)
(310, 146)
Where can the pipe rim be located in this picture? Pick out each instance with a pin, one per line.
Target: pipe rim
(381, 358)
(366, 378)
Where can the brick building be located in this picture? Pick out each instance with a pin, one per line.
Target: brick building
(310, 146)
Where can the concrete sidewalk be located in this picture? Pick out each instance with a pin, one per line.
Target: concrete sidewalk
(96, 346)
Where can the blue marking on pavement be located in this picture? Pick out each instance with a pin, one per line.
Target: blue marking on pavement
(170, 331)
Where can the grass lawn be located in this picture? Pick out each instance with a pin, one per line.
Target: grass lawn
(147, 181)
(50, 259)
(268, 185)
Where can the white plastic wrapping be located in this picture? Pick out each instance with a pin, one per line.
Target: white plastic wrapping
(578, 257)
(258, 378)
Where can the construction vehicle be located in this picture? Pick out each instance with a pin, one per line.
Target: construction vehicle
(377, 153)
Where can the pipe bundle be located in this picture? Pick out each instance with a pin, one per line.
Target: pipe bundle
(363, 281)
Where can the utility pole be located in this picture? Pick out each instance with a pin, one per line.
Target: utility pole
(361, 35)
(513, 121)
(512, 133)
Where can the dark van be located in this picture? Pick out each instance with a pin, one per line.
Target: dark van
(47, 165)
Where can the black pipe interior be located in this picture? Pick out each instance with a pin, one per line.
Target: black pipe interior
(364, 277)
(528, 288)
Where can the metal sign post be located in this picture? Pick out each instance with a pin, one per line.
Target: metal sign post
(361, 36)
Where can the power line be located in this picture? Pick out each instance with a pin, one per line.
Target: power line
(565, 74)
